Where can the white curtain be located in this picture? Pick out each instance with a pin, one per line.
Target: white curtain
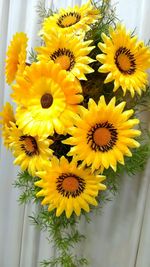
(120, 235)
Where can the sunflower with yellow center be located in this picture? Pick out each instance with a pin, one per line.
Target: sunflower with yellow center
(66, 187)
(31, 153)
(16, 56)
(47, 99)
(103, 134)
(71, 20)
(8, 117)
(125, 59)
(70, 53)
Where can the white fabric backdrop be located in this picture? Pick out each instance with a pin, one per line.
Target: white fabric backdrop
(120, 236)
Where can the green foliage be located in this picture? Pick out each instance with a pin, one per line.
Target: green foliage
(137, 162)
(140, 103)
(65, 261)
(65, 235)
(108, 18)
(43, 12)
(32, 56)
(25, 182)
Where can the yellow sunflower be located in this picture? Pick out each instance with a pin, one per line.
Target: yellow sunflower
(125, 59)
(8, 117)
(16, 56)
(66, 187)
(103, 135)
(71, 20)
(31, 153)
(70, 53)
(48, 97)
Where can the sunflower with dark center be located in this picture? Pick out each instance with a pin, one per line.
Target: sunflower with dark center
(68, 19)
(102, 135)
(49, 102)
(126, 60)
(70, 53)
(29, 145)
(71, 20)
(16, 56)
(68, 187)
(31, 153)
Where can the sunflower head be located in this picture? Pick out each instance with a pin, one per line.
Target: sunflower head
(70, 53)
(71, 20)
(50, 101)
(16, 56)
(126, 60)
(31, 153)
(102, 135)
(66, 187)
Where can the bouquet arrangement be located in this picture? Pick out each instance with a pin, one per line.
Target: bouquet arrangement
(76, 128)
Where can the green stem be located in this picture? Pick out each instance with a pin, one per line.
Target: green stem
(64, 234)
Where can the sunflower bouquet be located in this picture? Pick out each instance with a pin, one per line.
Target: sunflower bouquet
(78, 100)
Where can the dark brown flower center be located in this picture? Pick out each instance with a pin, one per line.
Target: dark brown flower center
(29, 145)
(125, 61)
(102, 137)
(68, 19)
(28, 64)
(46, 100)
(64, 57)
(69, 184)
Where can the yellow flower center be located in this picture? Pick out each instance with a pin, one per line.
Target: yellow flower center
(46, 100)
(102, 136)
(29, 145)
(125, 61)
(70, 184)
(64, 57)
(64, 61)
(68, 19)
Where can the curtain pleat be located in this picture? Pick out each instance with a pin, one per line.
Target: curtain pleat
(4, 16)
(143, 258)
(118, 236)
